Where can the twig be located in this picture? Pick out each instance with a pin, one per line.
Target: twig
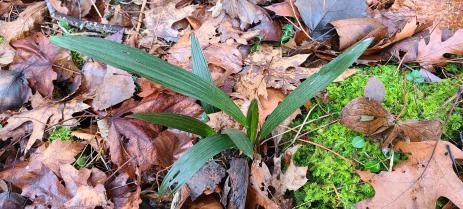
(405, 90)
(303, 124)
(297, 19)
(327, 149)
(140, 17)
(81, 24)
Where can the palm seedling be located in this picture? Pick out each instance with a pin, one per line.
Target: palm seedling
(199, 85)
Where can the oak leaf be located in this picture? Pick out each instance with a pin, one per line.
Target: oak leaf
(40, 117)
(419, 181)
(57, 154)
(246, 11)
(433, 52)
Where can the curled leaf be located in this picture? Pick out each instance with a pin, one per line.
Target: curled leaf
(365, 116)
(14, 90)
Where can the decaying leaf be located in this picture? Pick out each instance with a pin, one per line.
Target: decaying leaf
(238, 173)
(78, 8)
(49, 156)
(419, 181)
(40, 117)
(433, 52)
(14, 90)
(318, 13)
(246, 11)
(133, 142)
(350, 31)
(35, 57)
(123, 193)
(375, 90)
(267, 105)
(366, 116)
(206, 180)
(12, 200)
(160, 18)
(293, 179)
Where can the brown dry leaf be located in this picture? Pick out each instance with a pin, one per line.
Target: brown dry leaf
(415, 131)
(350, 31)
(258, 189)
(35, 57)
(419, 181)
(433, 52)
(84, 194)
(170, 146)
(28, 19)
(12, 200)
(283, 9)
(446, 13)
(206, 202)
(38, 183)
(293, 179)
(221, 120)
(267, 105)
(57, 153)
(206, 180)
(123, 194)
(246, 11)
(160, 18)
(79, 8)
(366, 116)
(40, 117)
(133, 142)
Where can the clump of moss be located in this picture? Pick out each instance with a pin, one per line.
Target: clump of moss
(333, 182)
(61, 133)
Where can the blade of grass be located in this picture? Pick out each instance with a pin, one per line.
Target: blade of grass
(185, 167)
(252, 120)
(153, 68)
(312, 85)
(200, 68)
(241, 141)
(180, 122)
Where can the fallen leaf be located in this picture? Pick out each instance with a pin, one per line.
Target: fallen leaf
(30, 17)
(123, 193)
(366, 116)
(38, 183)
(256, 199)
(416, 131)
(350, 31)
(206, 202)
(316, 14)
(12, 200)
(429, 77)
(282, 9)
(132, 142)
(246, 11)
(35, 57)
(160, 18)
(14, 90)
(221, 120)
(206, 180)
(58, 153)
(419, 181)
(41, 116)
(375, 90)
(267, 105)
(292, 179)
(170, 146)
(78, 8)
(433, 52)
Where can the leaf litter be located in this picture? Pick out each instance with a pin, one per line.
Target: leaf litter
(41, 88)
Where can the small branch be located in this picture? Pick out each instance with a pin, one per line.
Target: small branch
(329, 150)
(81, 24)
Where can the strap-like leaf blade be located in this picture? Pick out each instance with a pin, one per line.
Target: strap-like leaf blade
(153, 68)
(241, 141)
(180, 122)
(200, 68)
(252, 118)
(312, 85)
(185, 167)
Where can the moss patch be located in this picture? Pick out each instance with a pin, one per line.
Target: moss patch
(333, 182)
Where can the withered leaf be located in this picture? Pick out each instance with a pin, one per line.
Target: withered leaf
(58, 153)
(160, 18)
(350, 31)
(416, 131)
(433, 51)
(12, 200)
(170, 146)
(206, 179)
(133, 142)
(419, 181)
(246, 11)
(41, 116)
(239, 181)
(354, 114)
(14, 90)
(35, 57)
(122, 194)
(375, 90)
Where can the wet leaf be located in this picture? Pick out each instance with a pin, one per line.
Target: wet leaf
(14, 91)
(365, 116)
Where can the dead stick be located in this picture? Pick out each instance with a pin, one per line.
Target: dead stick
(81, 24)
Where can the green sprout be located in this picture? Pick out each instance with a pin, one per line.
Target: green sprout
(288, 32)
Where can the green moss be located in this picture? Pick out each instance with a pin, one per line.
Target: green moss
(61, 133)
(327, 171)
(77, 59)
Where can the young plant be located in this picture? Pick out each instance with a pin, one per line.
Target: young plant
(199, 85)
